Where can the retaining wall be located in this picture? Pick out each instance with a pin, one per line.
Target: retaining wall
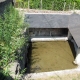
(51, 32)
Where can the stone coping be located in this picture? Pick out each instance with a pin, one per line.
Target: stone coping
(36, 76)
(33, 39)
(38, 11)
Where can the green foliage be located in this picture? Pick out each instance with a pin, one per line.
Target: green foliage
(49, 4)
(35, 4)
(21, 74)
(4, 76)
(22, 3)
(12, 37)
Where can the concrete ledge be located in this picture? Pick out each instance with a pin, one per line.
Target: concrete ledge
(14, 68)
(36, 76)
(48, 39)
(2, 1)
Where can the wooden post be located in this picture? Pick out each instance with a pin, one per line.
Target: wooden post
(74, 6)
(41, 4)
(28, 3)
(53, 5)
(64, 5)
(69, 5)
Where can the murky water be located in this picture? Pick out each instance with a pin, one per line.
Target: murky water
(50, 56)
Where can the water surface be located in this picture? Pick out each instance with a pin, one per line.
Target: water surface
(50, 56)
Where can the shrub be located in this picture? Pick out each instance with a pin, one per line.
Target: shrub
(57, 5)
(12, 37)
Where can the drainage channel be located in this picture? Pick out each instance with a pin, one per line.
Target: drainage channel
(50, 56)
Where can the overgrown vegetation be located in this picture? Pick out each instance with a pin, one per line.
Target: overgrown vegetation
(12, 37)
(49, 4)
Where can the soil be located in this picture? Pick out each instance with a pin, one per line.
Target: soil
(50, 56)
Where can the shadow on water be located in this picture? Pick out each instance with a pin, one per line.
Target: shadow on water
(29, 56)
(72, 48)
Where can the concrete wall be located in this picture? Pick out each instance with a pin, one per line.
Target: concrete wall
(47, 32)
(2, 0)
(77, 59)
(3, 4)
(69, 35)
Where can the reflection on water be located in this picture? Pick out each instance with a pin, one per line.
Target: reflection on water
(50, 56)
